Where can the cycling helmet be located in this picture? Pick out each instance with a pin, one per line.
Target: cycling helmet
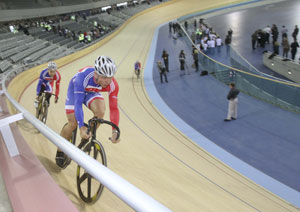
(52, 65)
(105, 66)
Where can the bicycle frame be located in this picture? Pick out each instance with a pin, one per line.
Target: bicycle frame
(42, 109)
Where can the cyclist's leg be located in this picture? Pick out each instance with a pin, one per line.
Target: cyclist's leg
(43, 87)
(48, 92)
(67, 130)
(95, 102)
(47, 97)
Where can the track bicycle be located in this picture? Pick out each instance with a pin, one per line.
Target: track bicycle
(137, 73)
(88, 188)
(42, 108)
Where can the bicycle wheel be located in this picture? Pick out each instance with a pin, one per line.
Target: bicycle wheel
(90, 189)
(38, 110)
(68, 160)
(45, 112)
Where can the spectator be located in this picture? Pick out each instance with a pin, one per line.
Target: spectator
(196, 59)
(274, 31)
(233, 101)
(193, 37)
(162, 71)
(186, 25)
(182, 62)
(276, 46)
(170, 27)
(230, 32)
(295, 33)
(285, 46)
(219, 43)
(294, 47)
(254, 39)
(165, 57)
(267, 32)
(284, 32)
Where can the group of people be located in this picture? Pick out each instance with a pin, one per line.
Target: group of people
(85, 88)
(205, 37)
(163, 67)
(261, 37)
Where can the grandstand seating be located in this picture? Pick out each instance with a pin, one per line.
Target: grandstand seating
(41, 45)
(4, 66)
(21, 4)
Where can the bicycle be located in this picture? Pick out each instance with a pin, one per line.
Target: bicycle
(137, 73)
(42, 108)
(137, 69)
(92, 147)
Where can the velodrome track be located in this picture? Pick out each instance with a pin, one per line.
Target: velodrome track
(152, 154)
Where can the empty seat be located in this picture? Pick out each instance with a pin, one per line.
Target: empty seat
(4, 66)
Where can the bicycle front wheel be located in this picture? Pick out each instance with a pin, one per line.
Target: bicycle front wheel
(90, 189)
(45, 112)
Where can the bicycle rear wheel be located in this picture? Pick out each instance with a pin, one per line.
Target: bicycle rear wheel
(90, 189)
(68, 160)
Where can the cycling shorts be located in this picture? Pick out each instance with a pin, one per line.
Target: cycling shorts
(88, 99)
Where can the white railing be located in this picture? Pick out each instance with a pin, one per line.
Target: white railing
(132, 196)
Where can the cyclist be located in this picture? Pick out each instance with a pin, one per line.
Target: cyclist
(85, 88)
(137, 68)
(46, 81)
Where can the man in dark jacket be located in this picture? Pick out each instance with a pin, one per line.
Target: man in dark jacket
(233, 101)
(165, 57)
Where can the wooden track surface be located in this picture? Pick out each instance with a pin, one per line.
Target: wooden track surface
(152, 154)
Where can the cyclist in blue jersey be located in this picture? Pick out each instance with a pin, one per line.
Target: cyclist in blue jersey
(85, 88)
(46, 82)
(137, 68)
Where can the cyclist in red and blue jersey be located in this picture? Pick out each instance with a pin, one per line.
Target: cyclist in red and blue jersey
(137, 68)
(46, 82)
(85, 88)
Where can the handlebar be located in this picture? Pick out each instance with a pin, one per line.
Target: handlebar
(102, 121)
(51, 94)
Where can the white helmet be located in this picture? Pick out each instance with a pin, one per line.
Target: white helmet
(105, 66)
(52, 65)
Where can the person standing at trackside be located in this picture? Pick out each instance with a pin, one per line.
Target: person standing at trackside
(182, 62)
(294, 47)
(46, 81)
(162, 71)
(196, 59)
(85, 88)
(165, 57)
(285, 47)
(267, 31)
(295, 32)
(276, 46)
(233, 101)
(227, 43)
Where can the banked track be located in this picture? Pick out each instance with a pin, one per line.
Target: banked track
(152, 155)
